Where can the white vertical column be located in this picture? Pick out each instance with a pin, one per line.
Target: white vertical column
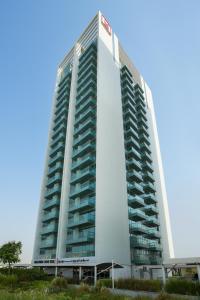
(112, 232)
(165, 227)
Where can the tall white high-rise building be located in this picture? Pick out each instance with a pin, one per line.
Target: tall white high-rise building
(103, 195)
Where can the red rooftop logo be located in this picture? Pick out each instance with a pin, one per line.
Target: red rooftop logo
(106, 25)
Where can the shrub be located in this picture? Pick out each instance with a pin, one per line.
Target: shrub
(104, 283)
(139, 284)
(27, 274)
(8, 280)
(58, 284)
(184, 287)
(84, 288)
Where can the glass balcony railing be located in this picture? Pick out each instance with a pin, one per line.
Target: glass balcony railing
(52, 191)
(91, 61)
(84, 204)
(155, 260)
(135, 188)
(146, 156)
(51, 203)
(58, 167)
(137, 228)
(59, 137)
(92, 52)
(129, 105)
(129, 114)
(90, 68)
(90, 111)
(147, 166)
(83, 220)
(149, 198)
(134, 175)
(153, 234)
(140, 259)
(149, 187)
(50, 215)
(136, 215)
(132, 152)
(88, 134)
(51, 228)
(133, 163)
(84, 126)
(135, 201)
(151, 210)
(139, 242)
(55, 179)
(155, 246)
(148, 176)
(82, 107)
(151, 222)
(83, 189)
(83, 175)
(132, 142)
(89, 159)
(60, 128)
(80, 254)
(57, 157)
(132, 132)
(83, 149)
(58, 147)
(92, 77)
(48, 243)
(84, 238)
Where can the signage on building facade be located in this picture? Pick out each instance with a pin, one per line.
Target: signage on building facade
(106, 25)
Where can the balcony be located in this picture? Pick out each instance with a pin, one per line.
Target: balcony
(153, 234)
(90, 111)
(155, 260)
(129, 104)
(147, 166)
(58, 167)
(60, 128)
(53, 191)
(134, 175)
(49, 229)
(125, 72)
(61, 121)
(84, 238)
(149, 199)
(88, 134)
(135, 188)
(90, 77)
(91, 83)
(135, 201)
(82, 190)
(85, 161)
(149, 187)
(140, 107)
(92, 61)
(90, 68)
(55, 179)
(154, 246)
(61, 113)
(83, 220)
(130, 123)
(84, 126)
(136, 215)
(140, 259)
(126, 79)
(142, 123)
(82, 205)
(58, 138)
(146, 157)
(131, 144)
(132, 132)
(58, 157)
(82, 107)
(129, 114)
(137, 229)
(80, 254)
(139, 242)
(48, 243)
(151, 222)
(151, 210)
(60, 146)
(131, 152)
(50, 215)
(145, 139)
(83, 175)
(51, 203)
(148, 176)
(133, 163)
(83, 149)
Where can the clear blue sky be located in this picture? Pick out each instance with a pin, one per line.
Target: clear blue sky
(162, 38)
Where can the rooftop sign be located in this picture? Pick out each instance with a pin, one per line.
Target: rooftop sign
(106, 25)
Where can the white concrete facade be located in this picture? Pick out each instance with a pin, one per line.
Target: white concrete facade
(111, 206)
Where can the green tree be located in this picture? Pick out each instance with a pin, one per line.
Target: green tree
(10, 252)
